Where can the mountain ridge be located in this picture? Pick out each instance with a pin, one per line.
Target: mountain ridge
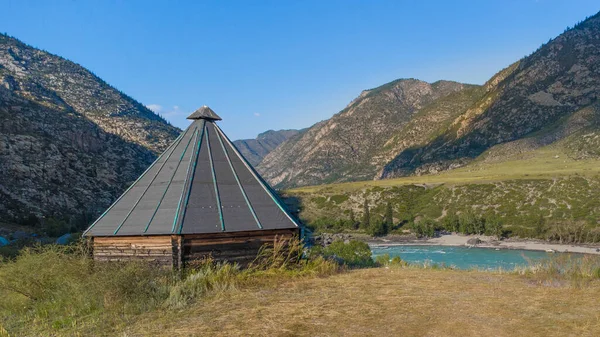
(254, 150)
(92, 96)
(342, 147)
(553, 82)
(69, 142)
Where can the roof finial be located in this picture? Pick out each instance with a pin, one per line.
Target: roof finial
(205, 113)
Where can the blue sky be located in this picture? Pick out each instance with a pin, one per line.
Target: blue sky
(283, 64)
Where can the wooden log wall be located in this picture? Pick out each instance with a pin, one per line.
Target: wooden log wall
(174, 250)
(240, 247)
(158, 249)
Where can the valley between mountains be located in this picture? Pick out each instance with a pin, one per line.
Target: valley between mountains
(522, 146)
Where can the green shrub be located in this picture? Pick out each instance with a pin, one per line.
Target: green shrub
(319, 201)
(451, 223)
(382, 260)
(385, 260)
(397, 261)
(30, 220)
(571, 231)
(12, 250)
(389, 215)
(56, 227)
(469, 223)
(378, 227)
(56, 286)
(493, 227)
(352, 219)
(339, 198)
(425, 228)
(352, 254)
(331, 225)
(366, 217)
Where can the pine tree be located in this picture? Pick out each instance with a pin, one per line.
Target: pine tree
(378, 227)
(389, 216)
(353, 221)
(366, 220)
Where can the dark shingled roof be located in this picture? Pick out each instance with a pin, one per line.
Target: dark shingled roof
(204, 113)
(200, 184)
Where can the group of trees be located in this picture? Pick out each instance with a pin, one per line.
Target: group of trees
(469, 223)
(465, 223)
(378, 225)
(372, 224)
(570, 231)
(382, 219)
(54, 226)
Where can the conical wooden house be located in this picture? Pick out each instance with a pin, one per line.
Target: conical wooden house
(199, 198)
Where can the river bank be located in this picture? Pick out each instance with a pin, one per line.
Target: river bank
(485, 242)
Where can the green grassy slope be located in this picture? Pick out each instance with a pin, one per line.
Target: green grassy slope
(547, 185)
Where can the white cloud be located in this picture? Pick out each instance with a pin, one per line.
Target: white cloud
(154, 107)
(256, 114)
(174, 112)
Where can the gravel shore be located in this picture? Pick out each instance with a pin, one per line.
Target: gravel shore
(486, 242)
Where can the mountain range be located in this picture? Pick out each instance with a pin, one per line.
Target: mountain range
(351, 145)
(70, 143)
(410, 127)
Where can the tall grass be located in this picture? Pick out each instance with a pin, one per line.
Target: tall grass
(290, 257)
(562, 269)
(54, 290)
(207, 279)
(3, 332)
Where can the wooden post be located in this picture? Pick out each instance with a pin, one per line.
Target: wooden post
(89, 247)
(176, 241)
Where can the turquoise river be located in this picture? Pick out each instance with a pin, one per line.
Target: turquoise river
(462, 257)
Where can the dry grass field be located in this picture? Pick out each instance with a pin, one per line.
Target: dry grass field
(58, 291)
(390, 302)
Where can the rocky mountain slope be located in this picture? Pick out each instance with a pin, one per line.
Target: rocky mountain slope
(69, 142)
(41, 76)
(349, 145)
(535, 97)
(256, 149)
